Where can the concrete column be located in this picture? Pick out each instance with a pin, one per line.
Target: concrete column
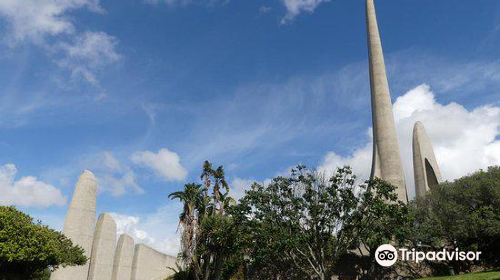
(386, 162)
(150, 264)
(79, 225)
(103, 249)
(124, 257)
(425, 167)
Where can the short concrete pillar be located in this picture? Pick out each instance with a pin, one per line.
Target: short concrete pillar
(124, 257)
(150, 264)
(103, 249)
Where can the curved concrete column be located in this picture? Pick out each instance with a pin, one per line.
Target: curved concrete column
(150, 264)
(386, 162)
(103, 249)
(79, 224)
(124, 257)
(425, 167)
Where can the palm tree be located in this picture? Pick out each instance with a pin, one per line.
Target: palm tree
(206, 174)
(192, 197)
(202, 203)
(220, 182)
(226, 201)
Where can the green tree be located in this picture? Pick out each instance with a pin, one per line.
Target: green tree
(381, 219)
(192, 198)
(301, 226)
(28, 249)
(463, 214)
(207, 228)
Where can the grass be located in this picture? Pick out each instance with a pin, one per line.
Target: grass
(483, 275)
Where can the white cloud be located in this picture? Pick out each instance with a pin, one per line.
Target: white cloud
(49, 25)
(27, 191)
(359, 161)
(112, 163)
(113, 176)
(129, 225)
(295, 7)
(32, 20)
(88, 53)
(239, 186)
(165, 163)
(158, 229)
(463, 140)
(94, 48)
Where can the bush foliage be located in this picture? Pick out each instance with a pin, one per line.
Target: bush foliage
(463, 214)
(29, 249)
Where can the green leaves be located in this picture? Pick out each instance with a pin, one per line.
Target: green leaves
(307, 222)
(307, 225)
(463, 214)
(28, 248)
(208, 234)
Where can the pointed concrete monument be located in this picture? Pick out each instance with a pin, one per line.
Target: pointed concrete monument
(425, 167)
(103, 249)
(386, 163)
(124, 257)
(79, 225)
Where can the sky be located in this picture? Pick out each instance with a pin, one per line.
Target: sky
(141, 92)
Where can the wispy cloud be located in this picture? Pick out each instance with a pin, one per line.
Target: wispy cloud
(457, 77)
(296, 7)
(169, 2)
(265, 9)
(258, 118)
(33, 20)
(48, 24)
(261, 117)
(120, 173)
(114, 176)
(88, 53)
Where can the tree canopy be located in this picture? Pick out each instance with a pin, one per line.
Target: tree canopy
(27, 248)
(463, 214)
(311, 225)
(206, 237)
(303, 225)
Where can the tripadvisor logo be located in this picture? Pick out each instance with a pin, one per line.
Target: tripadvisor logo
(386, 255)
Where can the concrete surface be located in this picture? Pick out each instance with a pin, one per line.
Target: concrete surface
(425, 167)
(124, 257)
(79, 224)
(150, 264)
(103, 249)
(386, 163)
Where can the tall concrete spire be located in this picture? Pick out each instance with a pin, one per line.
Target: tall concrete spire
(386, 163)
(79, 225)
(425, 167)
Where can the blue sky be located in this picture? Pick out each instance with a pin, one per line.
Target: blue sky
(143, 91)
